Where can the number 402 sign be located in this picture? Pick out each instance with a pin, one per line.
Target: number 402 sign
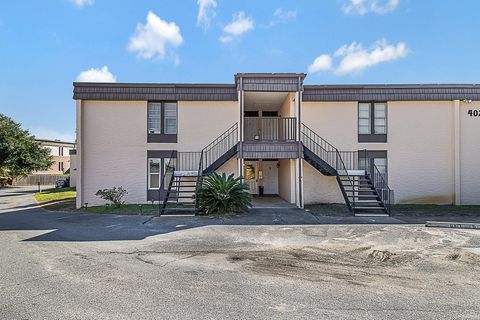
(473, 113)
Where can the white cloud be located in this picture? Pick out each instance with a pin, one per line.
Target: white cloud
(155, 37)
(206, 12)
(354, 58)
(239, 25)
(81, 3)
(50, 134)
(321, 63)
(282, 16)
(362, 7)
(285, 15)
(96, 75)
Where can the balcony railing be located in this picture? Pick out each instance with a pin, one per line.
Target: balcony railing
(270, 129)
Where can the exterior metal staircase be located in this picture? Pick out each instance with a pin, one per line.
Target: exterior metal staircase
(185, 170)
(364, 190)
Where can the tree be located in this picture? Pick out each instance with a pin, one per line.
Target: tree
(20, 154)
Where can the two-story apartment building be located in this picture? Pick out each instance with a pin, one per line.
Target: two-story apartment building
(365, 145)
(59, 150)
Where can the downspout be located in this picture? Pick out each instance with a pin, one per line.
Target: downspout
(456, 153)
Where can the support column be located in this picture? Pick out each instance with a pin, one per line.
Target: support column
(298, 183)
(456, 152)
(79, 173)
(241, 96)
(299, 165)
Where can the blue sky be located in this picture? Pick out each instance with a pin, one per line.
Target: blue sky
(46, 45)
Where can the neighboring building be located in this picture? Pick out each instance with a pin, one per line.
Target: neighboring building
(418, 140)
(60, 155)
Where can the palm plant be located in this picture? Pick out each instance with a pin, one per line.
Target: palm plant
(222, 194)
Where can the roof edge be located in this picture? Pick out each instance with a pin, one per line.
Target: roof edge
(152, 85)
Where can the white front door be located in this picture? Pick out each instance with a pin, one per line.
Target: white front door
(250, 173)
(270, 177)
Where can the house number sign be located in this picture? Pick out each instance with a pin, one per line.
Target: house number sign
(473, 113)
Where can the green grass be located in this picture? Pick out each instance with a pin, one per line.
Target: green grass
(55, 195)
(126, 209)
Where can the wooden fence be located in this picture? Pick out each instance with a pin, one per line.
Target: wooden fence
(34, 179)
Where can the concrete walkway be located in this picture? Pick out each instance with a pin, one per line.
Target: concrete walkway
(17, 198)
(270, 202)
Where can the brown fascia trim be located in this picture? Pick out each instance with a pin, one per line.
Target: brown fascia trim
(228, 92)
(391, 92)
(270, 75)
(154, 91)
(151, 85)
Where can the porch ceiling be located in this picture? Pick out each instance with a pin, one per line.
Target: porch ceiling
(265, 101)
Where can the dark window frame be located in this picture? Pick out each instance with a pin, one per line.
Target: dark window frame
(153, 194)
(372, 137)
(375, 154)
(162, 137)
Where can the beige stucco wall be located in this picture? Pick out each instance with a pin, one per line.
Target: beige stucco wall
(419, 148)
(200, 122)
(420, 151)
(114, 142)
(286, 180)
(318, 188)
(287, 109)
(114, 149)
(229, 167)
(469, 154)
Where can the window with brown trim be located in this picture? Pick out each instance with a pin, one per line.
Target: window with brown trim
(372, 122)
(162, 121)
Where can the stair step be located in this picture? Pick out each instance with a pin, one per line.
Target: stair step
(368, 208)
(359, 198)
(181, 197)
(371, 214)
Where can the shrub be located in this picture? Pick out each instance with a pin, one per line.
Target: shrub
(114, 195)
(222, 194)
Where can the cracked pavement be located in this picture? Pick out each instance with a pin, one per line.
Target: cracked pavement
(285, 266)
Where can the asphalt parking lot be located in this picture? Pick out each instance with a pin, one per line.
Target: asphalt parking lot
(268, 264)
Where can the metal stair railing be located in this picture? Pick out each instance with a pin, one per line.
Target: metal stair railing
(195, 161)
(328, 153)
(199, 180)
(218, 147)
(379, 183)
(169, 170)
